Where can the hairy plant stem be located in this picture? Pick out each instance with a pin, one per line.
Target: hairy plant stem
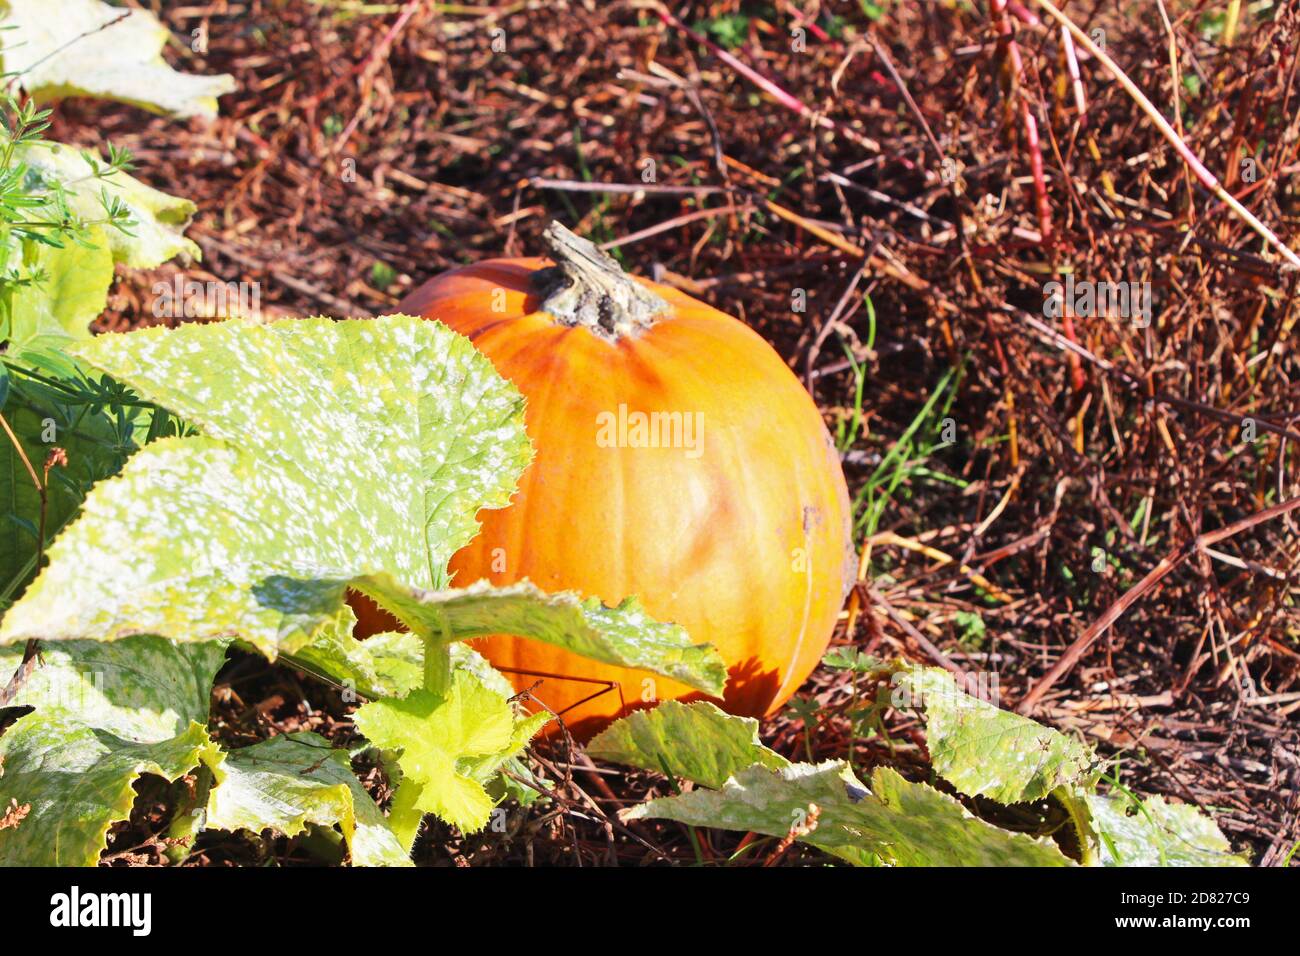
(1087, 855)
(587, 287)
(437, 661)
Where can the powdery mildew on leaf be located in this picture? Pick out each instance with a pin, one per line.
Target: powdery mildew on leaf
(697, 741)
(1156, 832)
(330, 451)
(88, 48)
(104, 714)
(894, 823)
(293, 780)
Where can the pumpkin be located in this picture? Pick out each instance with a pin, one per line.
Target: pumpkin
(677, 459)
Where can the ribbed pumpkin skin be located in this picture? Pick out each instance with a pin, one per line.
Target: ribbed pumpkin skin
(746, 544)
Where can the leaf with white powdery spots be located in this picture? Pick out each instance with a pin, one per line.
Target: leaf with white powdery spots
(88, 48)
(988, 752)
(1155, 832)
(290, 781)
(104, 714)
(331, 451)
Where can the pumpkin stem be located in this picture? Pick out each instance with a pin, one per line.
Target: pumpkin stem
(586, 287)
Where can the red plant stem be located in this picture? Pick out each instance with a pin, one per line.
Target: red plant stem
(781, 96)
(1206, 177)
(1043, 206)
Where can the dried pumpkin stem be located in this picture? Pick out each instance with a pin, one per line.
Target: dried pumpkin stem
(586, 287)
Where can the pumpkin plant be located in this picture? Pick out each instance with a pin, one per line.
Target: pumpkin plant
(328, 456)
(313, 457)
(678, 459)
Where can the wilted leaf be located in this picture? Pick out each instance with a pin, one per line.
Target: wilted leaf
(985, 751)
(894, 823)
(156, 233)
(87, 48)
(1154, 832)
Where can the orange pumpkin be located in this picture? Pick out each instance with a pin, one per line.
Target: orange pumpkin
(677, 459)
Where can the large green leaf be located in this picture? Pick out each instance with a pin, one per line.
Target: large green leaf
(696, 741)
(449, 746)
(984, 751)
(1155, 832)
(293, 780)
(895, 822)
(87, 48)
(104, 714)
(625, 635)
(332, 450)
(158, 220)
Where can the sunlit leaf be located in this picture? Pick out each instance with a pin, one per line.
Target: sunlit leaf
(87, 48)
(293, 780)
(104, 714)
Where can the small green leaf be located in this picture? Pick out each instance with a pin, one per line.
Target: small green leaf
(623, 635)
(894, 823)
(852, 659)
(696, 741)
(104, 714)
(449, 746)
(87, 48)
(385, 665)
(1154, 832)
(297, 779)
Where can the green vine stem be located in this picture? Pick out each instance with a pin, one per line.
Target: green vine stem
(1087, 855)
(437, 660)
